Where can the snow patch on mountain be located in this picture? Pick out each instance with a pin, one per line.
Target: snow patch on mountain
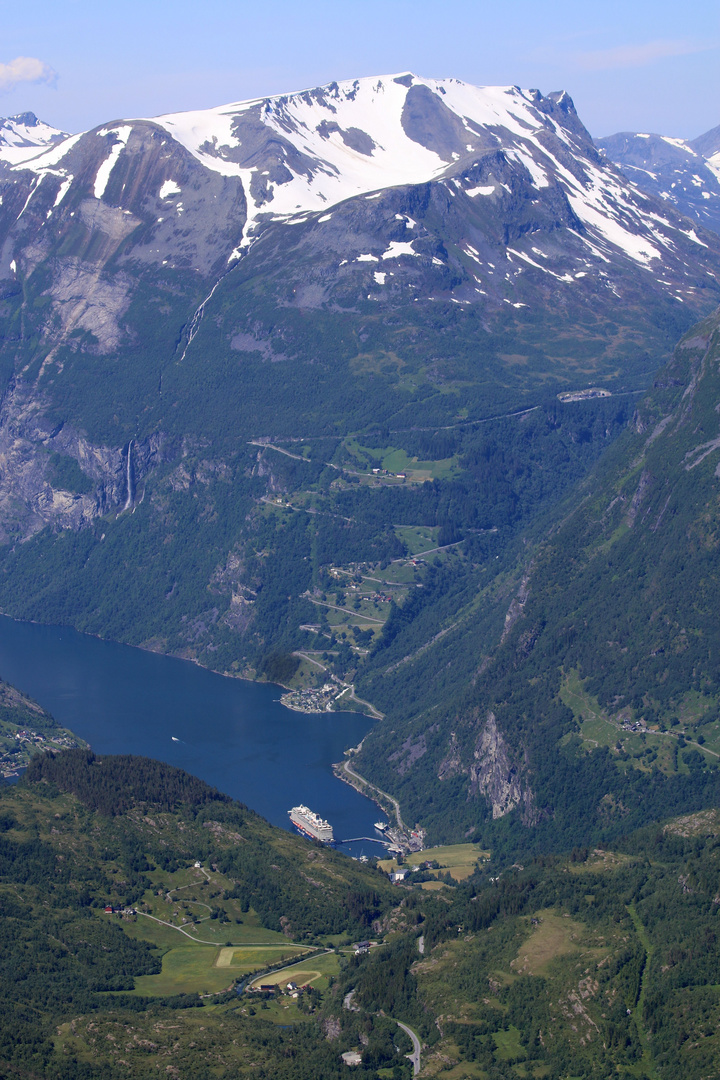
(122, 134)
(481, 189)
(168, 188)
(398, 248)
(49, 160)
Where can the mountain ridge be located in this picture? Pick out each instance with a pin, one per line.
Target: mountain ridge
(686, 172)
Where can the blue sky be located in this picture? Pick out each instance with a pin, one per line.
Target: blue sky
(631, 65)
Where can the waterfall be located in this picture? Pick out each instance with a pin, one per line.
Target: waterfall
(129, 500)
(194, 324)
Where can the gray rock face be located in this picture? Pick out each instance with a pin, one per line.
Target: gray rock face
(672, 169)
(30, 501)
(427, 120)
(495, 776)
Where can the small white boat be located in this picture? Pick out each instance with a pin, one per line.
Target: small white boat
(174, 739)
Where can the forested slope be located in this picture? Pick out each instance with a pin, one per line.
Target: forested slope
(601, 704)
(599, 962)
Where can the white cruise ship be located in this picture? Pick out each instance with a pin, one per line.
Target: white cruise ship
(311, 824)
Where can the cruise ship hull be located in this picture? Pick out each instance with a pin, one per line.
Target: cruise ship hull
(306, 832)
(311, 825)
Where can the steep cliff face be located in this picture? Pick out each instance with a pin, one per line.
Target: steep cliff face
(494, 775)
(488, 768)
(36, 456)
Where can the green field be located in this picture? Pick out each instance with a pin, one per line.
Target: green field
(459, 860)
(417, 537)
(193, 895)
(508, 1046)
(634, 749)
(316, 971)
(187, 970)
(204, 969)
(396, 461)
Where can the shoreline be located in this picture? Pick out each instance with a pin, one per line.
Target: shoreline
(367, 793)
(187, 660)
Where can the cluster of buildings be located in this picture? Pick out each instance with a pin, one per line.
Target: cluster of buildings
(291, 989)
(385, 472)
(633, 725)
(312, 700)
(29, 736)
(17, 747)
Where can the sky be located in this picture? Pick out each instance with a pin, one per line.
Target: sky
(630, 65)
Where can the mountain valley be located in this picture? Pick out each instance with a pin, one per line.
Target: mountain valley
(298, 388)
(403, 394)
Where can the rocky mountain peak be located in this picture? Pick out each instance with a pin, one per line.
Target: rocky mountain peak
(23, 136)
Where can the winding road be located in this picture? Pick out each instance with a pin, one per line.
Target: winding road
(347, 768)
(415, 1056)
(218, 944)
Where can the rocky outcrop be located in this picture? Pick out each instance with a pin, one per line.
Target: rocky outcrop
(409, 753)
(497, 777)
(31, 498)
(452, 763)
(517, 605)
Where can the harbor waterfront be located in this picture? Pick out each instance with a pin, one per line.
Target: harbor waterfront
(229, 732)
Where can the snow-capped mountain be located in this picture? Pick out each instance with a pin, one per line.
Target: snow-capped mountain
(432, 232)
(683, 172)
(24, 136)
(302, 154)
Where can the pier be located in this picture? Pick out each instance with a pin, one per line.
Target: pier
(371, 839)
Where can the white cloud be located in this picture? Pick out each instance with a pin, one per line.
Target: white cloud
(629, 56)
(25, 69)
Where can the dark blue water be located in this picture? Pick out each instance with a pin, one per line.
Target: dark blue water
(235, 735)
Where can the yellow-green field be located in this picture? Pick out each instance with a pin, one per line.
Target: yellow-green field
(459, 860)
(204, 969)
(466, 1070)
(553, 936)
(644, 749)
(315, 971)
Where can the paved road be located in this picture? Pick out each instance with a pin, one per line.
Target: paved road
(415, 1056)
(355, 614)
(347, 767)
